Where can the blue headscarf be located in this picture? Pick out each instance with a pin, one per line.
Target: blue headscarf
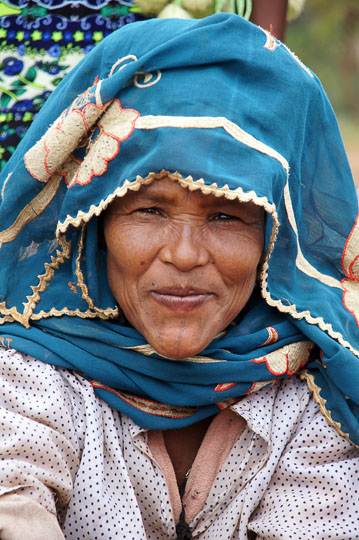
(219, 106)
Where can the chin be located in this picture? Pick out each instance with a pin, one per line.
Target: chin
(179, 339)
(180, 356)
(177, 353)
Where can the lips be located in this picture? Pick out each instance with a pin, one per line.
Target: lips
(181, 299)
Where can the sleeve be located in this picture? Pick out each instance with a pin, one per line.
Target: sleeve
(312, 491)
(19, 514)
(39, 449)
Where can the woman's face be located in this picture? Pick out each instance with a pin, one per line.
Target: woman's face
(181, 264)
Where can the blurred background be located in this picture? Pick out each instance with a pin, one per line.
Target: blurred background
(326, 38)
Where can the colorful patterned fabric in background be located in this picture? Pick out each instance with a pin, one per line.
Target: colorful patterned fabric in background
(40, 42)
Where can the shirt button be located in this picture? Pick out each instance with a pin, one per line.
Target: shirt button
(195, 493)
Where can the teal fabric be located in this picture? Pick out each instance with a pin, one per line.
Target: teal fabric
(222, 68)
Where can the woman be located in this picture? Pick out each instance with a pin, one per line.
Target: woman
(150, 387)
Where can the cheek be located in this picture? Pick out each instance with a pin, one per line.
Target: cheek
(118, 247)
(238, 259)
(123, 275)
(130, 252)
(127, 248)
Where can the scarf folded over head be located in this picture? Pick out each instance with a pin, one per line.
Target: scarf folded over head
(220, 106)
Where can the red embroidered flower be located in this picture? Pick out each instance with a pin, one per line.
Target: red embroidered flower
(287, 359)
(272, 336)
(351, 297)
(350, 265)
(115, 126)
(224, 386)
(45, 158)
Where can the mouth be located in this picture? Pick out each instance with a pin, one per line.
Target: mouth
(181, 299)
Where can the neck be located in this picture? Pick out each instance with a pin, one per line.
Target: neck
(182, 446)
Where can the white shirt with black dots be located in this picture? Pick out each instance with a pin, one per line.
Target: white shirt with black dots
(288, 476)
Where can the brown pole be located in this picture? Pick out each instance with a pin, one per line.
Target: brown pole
(270, 15)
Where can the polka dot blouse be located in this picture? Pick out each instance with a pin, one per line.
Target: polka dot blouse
(68, 454)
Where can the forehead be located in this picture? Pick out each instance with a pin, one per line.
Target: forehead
(171, 192)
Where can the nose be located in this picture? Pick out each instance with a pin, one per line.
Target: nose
(185, 249)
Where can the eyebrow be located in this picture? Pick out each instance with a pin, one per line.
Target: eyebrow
(162, 196)
(156, 197)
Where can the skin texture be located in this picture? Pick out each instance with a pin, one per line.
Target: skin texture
(181, 264)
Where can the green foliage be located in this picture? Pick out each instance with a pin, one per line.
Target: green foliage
(326, 38)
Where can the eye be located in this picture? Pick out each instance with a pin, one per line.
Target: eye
(224, 217)
(150, 211)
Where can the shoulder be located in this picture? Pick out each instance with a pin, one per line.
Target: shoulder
(314, 472)
(286, 414)
(312, 436)
(275, 410)
(57, 397)
(24, 378)
(34, 390)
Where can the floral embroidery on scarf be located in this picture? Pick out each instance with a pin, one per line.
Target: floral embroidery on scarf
(272, 336)
(116, 125)
(46, 156)
(260, 384)
(224, 386)
(350, 265)
(148, 405)
(225, 404)
(141, 79)
(351, 297)
(287, 359)
(148, 79)
(254, 388)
